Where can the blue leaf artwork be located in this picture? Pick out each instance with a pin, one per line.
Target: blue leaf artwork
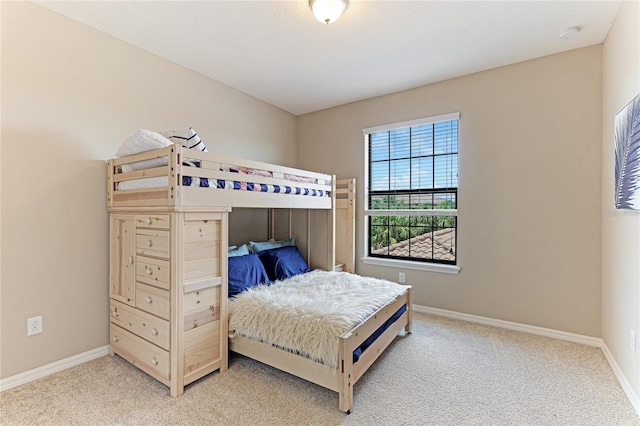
(627, 145)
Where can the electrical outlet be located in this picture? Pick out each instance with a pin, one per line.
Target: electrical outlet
(34, 325)
(632, 341)
(401, 277)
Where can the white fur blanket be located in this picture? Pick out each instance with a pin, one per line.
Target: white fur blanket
(306, 314)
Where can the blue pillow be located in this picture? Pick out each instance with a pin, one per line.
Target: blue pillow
(266, 245)
(245, 272)
(238, 251)
(283, 262)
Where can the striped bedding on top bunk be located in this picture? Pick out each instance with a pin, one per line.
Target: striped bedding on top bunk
(146, 140)
(237, 185)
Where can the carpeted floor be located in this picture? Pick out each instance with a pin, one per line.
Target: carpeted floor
(447, 372)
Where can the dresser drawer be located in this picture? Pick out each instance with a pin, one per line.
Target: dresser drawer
(152, 300)
(145, 325)
(158, 221)
(155, 272)
(145, 355)
(201, 298)
(152, 242)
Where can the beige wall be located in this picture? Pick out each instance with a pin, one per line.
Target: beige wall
(620, 229)
(529, 197)
(70, 96)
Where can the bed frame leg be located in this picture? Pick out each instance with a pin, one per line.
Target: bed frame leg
(345, 394)
(408, 326)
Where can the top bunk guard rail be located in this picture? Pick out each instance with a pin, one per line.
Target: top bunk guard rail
(162, 185)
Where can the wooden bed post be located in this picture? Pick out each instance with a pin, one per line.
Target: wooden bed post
(177, 311)
(224, 289)
(309, 236)
(345, 393)
(331, 229)
(408, 327)
(350, 265)
(272, 223)
(110, 183)
(175, 178)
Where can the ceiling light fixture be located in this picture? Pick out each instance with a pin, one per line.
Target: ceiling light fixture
(328, 11)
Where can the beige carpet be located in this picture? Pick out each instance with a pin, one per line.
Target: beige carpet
(446, 373)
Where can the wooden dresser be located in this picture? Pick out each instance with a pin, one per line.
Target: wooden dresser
(168, 288)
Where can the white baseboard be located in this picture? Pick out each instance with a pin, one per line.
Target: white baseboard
(624, 383)
(547, 332)
(54, 367)
(531, 329)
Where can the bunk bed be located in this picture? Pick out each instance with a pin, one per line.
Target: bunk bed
(190, 189)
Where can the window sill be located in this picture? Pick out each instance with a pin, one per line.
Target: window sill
(406, 264)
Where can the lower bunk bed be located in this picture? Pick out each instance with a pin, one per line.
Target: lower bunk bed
(325, 327)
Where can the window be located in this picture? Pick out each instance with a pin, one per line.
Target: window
(411, 183)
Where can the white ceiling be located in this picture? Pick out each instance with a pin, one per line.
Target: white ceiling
(276, 50)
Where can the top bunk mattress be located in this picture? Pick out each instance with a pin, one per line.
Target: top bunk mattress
(242, 184)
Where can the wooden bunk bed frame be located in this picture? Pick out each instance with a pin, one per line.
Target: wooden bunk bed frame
(179, 197)
(176, 197)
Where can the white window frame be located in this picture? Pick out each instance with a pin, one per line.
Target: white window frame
(399, 263)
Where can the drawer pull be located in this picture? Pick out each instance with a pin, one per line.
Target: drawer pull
(149, 271)
(154, 331)
(115, 312)
(149, 299)
(115, 338)
(149, 243)
(148, 221)
(154, 361)
(131, 259)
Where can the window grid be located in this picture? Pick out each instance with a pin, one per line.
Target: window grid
(414, 168)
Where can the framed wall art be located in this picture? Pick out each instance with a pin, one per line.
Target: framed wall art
(627, 151)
